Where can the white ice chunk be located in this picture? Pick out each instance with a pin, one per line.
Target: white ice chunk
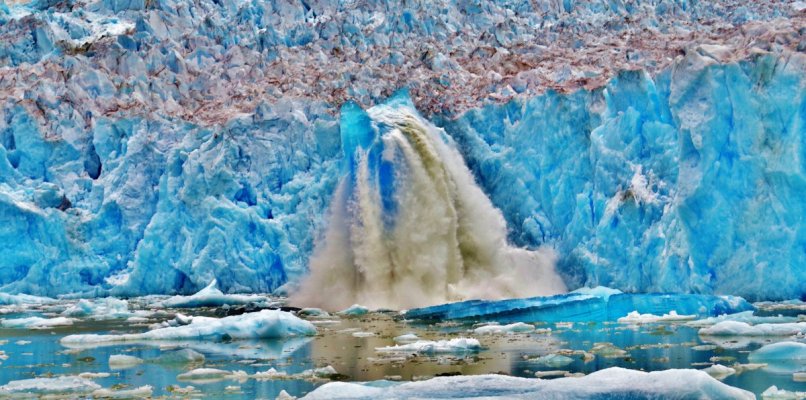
(736, 328)
(458, 345)
(517, 327)
(635, 317)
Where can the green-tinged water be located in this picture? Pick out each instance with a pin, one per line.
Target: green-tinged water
(343, 344)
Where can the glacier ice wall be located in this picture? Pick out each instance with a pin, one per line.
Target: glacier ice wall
(151, 146)
(693, 180)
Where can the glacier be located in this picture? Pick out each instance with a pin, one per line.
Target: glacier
(153, 147)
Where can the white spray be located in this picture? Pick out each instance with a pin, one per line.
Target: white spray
(447, 242)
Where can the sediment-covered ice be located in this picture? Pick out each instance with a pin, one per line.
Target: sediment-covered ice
(612, 383)
(263, 324)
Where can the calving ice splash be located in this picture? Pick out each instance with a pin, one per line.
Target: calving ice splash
(408, 225)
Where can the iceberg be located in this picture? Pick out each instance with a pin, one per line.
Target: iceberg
(518, 327)
(581, 307)
(45, 387)
(36, 322)
(738, 328)
(211, 296)
(782, 357)
(429, 347)
(265, 324)
(611, 383)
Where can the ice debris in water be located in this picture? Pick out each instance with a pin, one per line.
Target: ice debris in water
(719, 371)
(36, 322)
(737, 328)
(103, 308)
(122, 361)
(181, 356)
(456, 345)
(43, 387)
(406, 338)
(773, 393)
(211, 374)
(211, 296)
(599, 304)
(635, 317)
(748, 317)
(611, 383)
(258, 325)
(517, 327)
(354, 311)
(782, 357)
(141, 392)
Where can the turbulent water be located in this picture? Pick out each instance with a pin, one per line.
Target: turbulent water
(410, 227)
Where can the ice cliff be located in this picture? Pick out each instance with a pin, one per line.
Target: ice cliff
(153, 146)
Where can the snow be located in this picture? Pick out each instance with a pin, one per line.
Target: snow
(517, 327)
(610, 383)
(456, 345)
(265, 324)
(36, 322)
(634, 317)
(737, 328)
(211, 296)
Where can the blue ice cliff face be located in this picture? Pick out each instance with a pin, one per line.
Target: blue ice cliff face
(150, 147)
(692, 181)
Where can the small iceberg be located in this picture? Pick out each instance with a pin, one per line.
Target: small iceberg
(747, 317)
(611, 383)
(36, 322)
(517, 327)
(458, 345)
(736, 328)
(782, 357)
(635, 317)
(63, 387)
(211, 296)
(265, 324)
(354, 310)
(105, 308)
(584, 305)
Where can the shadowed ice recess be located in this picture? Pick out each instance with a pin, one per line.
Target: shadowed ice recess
(410, 227)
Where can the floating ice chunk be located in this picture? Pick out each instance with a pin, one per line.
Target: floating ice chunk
(363, 334)
(553, 360)
(211, 375)
(773, 393)
(608, 350)
(94, 375)
(285, 396)
(211, 296)
(315, 373)
(181, 356)
(799, 376)
(719, 371)
(783, 357)
(122, 361)
(602, 305)
(62, 386)
(406, 338)
(106, 308)
(748, 317)
(264, 324)
(270, 374)
(136, 393)
(612, 383)
(36, 322)
(458, 345)
(517, 327)
(635, 317)
(20, 299)
(736, 328)
(354, 310)
(598, 291)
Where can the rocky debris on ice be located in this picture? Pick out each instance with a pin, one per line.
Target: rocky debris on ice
(428, 347)
(609, 383)
(264, 324)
